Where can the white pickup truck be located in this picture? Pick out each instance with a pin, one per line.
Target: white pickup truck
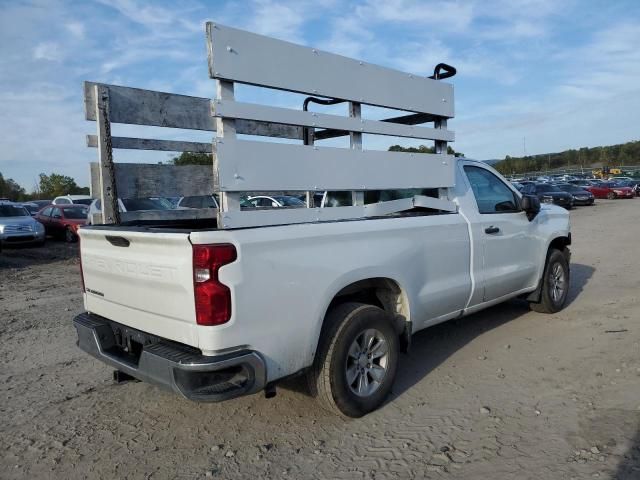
(214, 313)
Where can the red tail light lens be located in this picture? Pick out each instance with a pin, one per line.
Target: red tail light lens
(212, 298)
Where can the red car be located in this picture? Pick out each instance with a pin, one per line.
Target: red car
(63, 220)
(610, 190)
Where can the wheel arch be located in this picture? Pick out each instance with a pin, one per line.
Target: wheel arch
(559, 242)
(383, 292)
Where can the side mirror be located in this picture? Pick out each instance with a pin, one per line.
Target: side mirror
(531, 205)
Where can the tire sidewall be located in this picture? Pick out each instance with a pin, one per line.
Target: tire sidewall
(555, 257)
(368, 317)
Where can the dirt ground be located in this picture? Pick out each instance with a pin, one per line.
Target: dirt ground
(503, 394)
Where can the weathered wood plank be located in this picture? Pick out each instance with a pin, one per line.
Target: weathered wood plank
(108, 183)
(137, 106)
(241, 56)
(153, 180)
(251, 166)
(128, 143)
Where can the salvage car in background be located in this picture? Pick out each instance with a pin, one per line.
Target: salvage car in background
(579, 194)
(131, 205)
(549, 193)
(63, 221)
(72, 199)
(17, 226)
(610, 190)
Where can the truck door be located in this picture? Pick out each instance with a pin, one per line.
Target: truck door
(508, 242)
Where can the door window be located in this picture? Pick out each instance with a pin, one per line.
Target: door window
(492, 195)
(57, 213)
(47, 212)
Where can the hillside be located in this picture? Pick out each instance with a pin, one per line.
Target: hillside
(625, 154)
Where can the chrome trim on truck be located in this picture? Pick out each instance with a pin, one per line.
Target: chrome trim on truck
(171, 365)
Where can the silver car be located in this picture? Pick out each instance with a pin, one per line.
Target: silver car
(17, 226)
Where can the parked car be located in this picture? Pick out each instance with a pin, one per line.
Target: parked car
(632, 184)
(131, 205)
(582, 182)
(17, 226)
(580, 195)
(63, 221)
(69, 199)
(31, 207)
(275, 201)
(610, 190)
(198, 201)
(41, 203)
(549, 193)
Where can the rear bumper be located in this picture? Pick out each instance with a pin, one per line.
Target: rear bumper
(170, 365)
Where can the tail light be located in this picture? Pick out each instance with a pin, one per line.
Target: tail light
(212, 298)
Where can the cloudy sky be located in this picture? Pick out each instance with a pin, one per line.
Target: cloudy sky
(562, 74)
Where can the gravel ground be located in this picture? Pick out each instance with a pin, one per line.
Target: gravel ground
(506, 393)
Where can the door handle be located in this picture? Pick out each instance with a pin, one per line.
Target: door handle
(490, 230)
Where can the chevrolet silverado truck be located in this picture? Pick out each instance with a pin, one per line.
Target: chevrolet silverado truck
(214, 313)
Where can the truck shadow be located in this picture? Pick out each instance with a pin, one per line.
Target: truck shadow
(629, 467)
(432, 346)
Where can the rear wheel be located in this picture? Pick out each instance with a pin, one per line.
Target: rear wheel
(611, 195)
(357, 359)
(555, 284)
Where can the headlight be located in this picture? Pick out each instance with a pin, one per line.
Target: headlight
(619, 192)
(39, 227)
(1, 228)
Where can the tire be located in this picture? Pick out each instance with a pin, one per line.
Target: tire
(69, 236)
(341, 357)
(611, 195)
(555, 284)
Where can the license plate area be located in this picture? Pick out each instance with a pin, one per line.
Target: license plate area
(128, 343)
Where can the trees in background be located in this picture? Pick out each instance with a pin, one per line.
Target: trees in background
(614, 155)
(53, 185)
(190, 158)
(48, 187)
(423, 149)
(10, 189)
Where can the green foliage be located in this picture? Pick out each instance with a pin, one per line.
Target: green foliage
(10, 189)
(55, 184)
(614, 155)
(189, 158)
(423, 149)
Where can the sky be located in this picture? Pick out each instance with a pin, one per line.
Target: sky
(534, 76)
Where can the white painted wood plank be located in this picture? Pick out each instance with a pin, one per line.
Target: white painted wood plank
(288, 216)
(287, 116)
(264, 166)
(241, 56)
(128, 143)
(186, 214)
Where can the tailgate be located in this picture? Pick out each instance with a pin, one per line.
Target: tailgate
(141, 279)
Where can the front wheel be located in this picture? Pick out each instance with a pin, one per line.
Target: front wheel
(611, 195)
(555, 284)
(357, 359)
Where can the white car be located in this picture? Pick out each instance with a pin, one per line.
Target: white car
(276, 201)
(130, 205)
(69, 199)
(213, 314)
